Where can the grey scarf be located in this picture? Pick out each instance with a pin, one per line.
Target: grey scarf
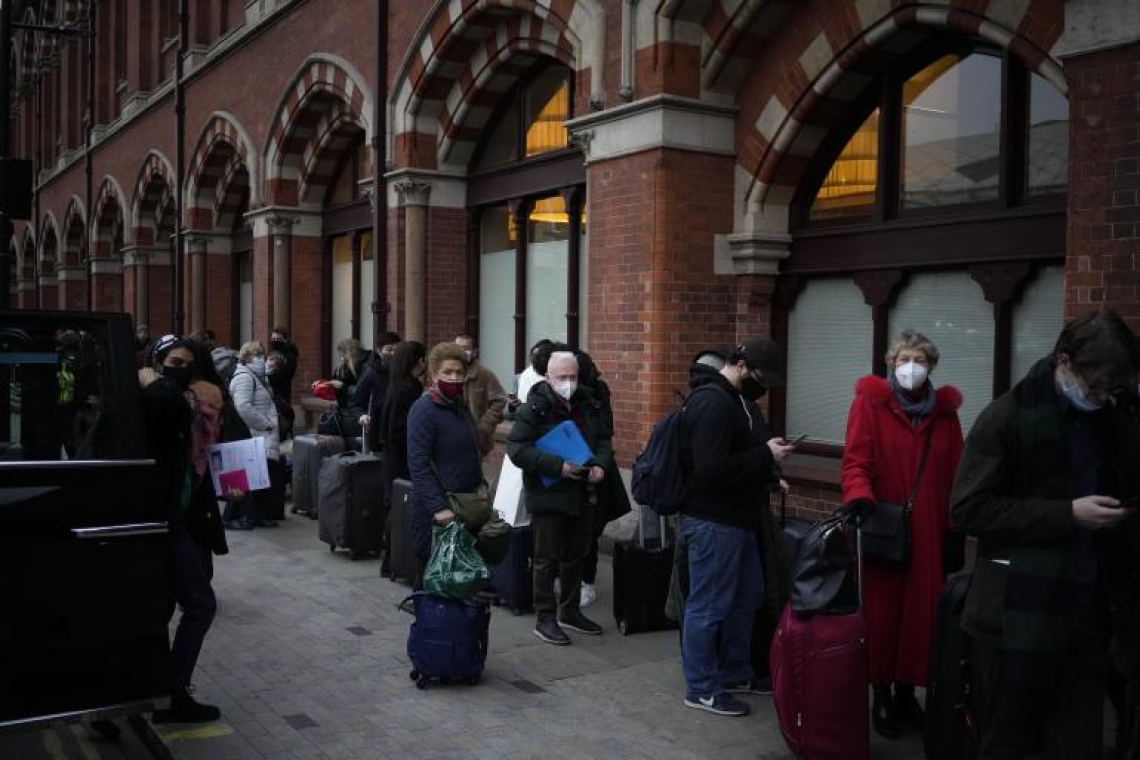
(916, 409)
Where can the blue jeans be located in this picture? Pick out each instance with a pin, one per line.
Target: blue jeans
(726, 585)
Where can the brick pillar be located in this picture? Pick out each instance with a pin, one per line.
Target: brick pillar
(107, 286)
(197, 245)
(1103, 232)
(72, 286)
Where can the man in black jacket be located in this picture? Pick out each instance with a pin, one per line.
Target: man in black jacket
(729, 468)
(368, 399)
(1045, 483)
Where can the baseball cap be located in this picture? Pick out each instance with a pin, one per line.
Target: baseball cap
(762, 353)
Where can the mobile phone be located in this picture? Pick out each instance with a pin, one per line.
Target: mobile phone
(1132, 502)
(797, 440)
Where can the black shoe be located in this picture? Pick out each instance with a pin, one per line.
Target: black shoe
(883, 715)
(580, 623)
(239, 524)
(907, 708)
(185, 709)
(549, 631)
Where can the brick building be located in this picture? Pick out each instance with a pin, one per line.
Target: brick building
(642, 178)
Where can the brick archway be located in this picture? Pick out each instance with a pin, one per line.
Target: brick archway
(458, 66)
(324, 101)
(109, 219)
(830, 63)
(152, 198)
(74, 225)
(212, 194)
(49, 250)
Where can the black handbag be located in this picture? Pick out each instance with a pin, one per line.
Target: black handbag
(886, 531)
(823, 575)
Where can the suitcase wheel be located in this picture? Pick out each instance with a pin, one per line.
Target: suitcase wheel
(422, 682)
(472, 680)
(332, 547)
(623, 627)
(414, 675)
(355, 555)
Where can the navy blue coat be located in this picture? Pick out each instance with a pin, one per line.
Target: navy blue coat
(444, 433)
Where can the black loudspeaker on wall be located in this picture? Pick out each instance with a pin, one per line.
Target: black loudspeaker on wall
(16, 188)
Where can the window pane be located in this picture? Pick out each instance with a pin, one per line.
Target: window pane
(245, 297)
(548, 108)
(952, 128)
(949, 308)
(849, 188)
(502, 147)
(341, 290)
(829, 348)
(1048, 149)
(367, 273)
(1037, 320)
(547, 256)
(584, 286)
(497, 294)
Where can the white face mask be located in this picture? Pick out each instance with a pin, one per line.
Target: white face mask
(910, 375)
(257, 364)
(566, 389)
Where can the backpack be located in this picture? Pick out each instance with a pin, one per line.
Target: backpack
(659, 476)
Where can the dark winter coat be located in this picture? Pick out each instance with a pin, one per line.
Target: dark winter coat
(880, 462)
(442, 433)
(392, 429)
(368, 398)
(729, 466)
(543, 411)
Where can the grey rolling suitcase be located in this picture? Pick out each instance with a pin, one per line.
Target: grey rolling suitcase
(308, 452)
(402, 555)
(350, 506)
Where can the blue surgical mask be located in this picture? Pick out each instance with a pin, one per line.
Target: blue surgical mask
(1077, 397)
(257, 364)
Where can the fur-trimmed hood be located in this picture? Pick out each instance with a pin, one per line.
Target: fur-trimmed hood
(947, 398)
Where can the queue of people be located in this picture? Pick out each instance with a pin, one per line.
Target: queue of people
(1046, 481)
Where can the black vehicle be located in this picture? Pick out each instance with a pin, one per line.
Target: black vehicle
(84, 587)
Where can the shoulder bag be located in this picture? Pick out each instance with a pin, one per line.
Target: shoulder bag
(886, 532)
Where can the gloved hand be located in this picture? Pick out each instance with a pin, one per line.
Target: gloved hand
(858, 510)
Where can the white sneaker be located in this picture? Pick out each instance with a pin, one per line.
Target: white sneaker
(589, 595)
(557, 588)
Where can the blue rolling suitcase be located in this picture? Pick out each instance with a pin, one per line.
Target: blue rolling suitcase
(448, 640)
(513, 578)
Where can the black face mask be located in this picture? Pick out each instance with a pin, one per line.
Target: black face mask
(752, 389)
(180, 375)
(277, 344)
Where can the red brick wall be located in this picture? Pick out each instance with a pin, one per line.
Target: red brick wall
(1104, 183)
(107, 293)
(160, 299)
(654, 300)
(220, 297)
(446, 274)
(73, 295)
(307, 325)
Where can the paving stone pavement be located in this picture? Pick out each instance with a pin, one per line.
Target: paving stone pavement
(306, 659)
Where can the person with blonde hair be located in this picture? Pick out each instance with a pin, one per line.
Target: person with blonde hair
(903, 440)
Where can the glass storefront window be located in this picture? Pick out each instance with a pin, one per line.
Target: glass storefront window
(497, 294)
(831, 332)
(548, 248)
(1048, 139)
(548, 108)
(950, 309)
(1037, 320)
(367, 275)
(341, 327)
(849, 188)
(952, 132)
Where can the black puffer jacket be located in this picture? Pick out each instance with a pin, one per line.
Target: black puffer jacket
(727, 458)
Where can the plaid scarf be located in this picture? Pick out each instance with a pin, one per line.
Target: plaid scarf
(1039, 586)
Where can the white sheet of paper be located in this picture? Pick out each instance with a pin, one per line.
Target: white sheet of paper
(248, 455)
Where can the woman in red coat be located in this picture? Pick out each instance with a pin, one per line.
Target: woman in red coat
(887, 430)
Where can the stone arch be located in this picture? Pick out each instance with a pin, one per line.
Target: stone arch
(153, 197)
(783, 122)
(326, 92)
(28, 255)
(457, 56)
(74, 230)
(333, 137)
(232, 195)
(49, 250)
(109, 221)
(222, 144)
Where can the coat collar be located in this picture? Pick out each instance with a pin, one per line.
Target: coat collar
(947, 398)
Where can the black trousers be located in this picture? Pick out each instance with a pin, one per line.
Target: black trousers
(192, 568)
(561, 543)
(1061, 719)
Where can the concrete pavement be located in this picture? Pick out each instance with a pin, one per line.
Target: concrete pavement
(307, 660)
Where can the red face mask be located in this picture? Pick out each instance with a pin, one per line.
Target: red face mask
(451, 389)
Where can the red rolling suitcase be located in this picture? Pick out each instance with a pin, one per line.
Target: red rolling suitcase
(819, 681)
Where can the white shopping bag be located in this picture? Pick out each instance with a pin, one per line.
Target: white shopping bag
(509, 499)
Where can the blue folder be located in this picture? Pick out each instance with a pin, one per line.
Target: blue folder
(567, 442)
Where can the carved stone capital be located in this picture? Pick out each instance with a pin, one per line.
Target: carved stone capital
(758, 252)
(280, 224)
(412, 191)
(581, 140)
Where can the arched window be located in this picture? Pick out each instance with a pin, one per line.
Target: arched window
(348, 229)
(529, 233)
(941, 208)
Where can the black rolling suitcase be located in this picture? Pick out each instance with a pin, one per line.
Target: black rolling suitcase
(308, 453)
(513, 578)
(641, 580)
(350, 505)
(950, 732)
(402, 555)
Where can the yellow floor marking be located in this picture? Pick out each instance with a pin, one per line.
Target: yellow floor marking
(53, 745)
(90, 752)
(206, 732)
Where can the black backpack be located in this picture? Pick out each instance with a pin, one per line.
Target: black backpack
(659, 475)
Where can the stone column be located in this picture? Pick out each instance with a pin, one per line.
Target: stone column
(414, 195)
(197, 246)
(281, 235)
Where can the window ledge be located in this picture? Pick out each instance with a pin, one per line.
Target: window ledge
(812, 470)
